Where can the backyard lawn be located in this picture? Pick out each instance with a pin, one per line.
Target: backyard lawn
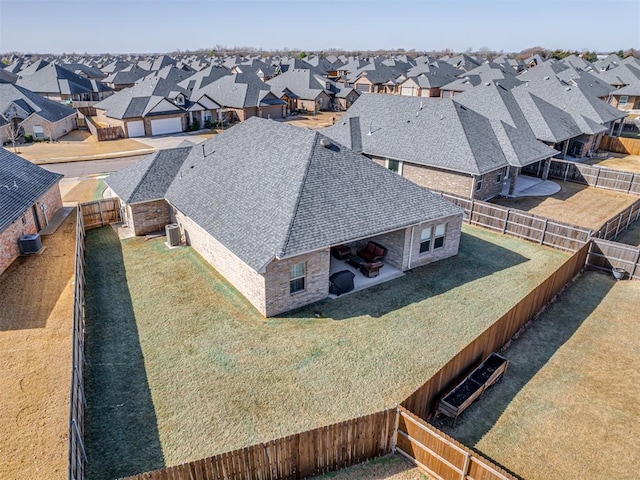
(568, 404)
(390, 467)
(631, 236)
(180, 366)
(628, 163)
(579, 205)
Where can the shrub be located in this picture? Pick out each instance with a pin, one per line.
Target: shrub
(195, 125)
(28, 138)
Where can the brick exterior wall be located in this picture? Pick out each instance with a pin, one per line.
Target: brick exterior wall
(143, 218)
(278, 298)
(9, 238)
(413, 258)
(490, 185)
(248, 282)
(633, 102)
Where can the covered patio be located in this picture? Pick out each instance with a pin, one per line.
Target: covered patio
(361, 281)
(527, 186)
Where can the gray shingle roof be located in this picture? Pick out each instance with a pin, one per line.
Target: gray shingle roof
(267, 189)
(32, 103)
(21, 184)
(56, 79)
(240, 90)
(426, 131)
(148, 178)
(305, 83)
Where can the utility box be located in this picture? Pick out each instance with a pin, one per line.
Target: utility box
(173, 234)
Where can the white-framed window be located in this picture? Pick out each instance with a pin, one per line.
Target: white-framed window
(432, 238)
(394, 165)
(38, 131)
(297, 274)
(438, 238)
(425, 239)
(623, 99)
(499, 176)
(479, 180)
(180, 100)
(206, 116)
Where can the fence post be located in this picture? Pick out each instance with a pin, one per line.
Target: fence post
(595, 184)
(544, 231)
(394, 437)
(471, 210)
(635, 265)
(506, 220)
(100, 210)
(465, 467)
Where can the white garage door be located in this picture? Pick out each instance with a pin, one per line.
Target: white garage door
(408, 91)
(163, 126)
(136, 129)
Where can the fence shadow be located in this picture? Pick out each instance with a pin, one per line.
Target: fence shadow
(476, 258)
(121, 428)
(527, 355)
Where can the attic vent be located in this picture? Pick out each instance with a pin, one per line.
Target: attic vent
(546, 78)
(325, 142)
(568, 88)
(487, 84)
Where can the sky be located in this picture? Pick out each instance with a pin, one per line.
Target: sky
(158, 26)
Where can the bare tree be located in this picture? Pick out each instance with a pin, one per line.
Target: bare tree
(14, 130)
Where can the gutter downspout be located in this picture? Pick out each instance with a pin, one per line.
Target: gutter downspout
(411, 247)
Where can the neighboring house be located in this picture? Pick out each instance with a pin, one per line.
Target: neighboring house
(345, 97)
(241, 96)
(59, 84)
(30, 113)
(29, 198)
(6, 76)
(439, 143)
(125, 78)
(312, 91)
(152, 107)
(627, 97)
(264, 203)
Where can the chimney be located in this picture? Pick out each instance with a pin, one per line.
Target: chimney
(355, 134)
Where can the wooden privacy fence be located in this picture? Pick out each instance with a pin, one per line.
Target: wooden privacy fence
(522, 224)
(629, 146)
(100, 212)
(424, 400)
(612, 228)
(592, 175)
(101, 133)
(606, 255)
(440, 455)
(302, 455)
(77, 402)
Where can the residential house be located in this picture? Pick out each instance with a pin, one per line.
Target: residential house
(29, 198)
(312, 91)
(125, 78)
(151, 107)
(265, 202)
(59, 84)
(30, 113)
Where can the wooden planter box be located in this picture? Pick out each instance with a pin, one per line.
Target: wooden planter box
(467, 391)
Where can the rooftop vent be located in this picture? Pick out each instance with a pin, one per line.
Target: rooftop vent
(567, 88)
(546, 78)
(325, 142)
(487, 84)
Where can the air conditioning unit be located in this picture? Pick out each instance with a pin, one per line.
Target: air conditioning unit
(173, 234)
(30, 243)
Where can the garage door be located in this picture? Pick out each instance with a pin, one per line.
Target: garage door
(163, 126)
(408, 91)
(135, 129)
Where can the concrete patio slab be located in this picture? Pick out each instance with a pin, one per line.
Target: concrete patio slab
(531, 187)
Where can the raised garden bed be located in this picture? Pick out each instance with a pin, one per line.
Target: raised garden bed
(467, 391)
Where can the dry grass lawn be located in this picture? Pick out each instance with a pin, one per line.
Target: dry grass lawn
(391, 467)
(309, 120)
(576, 204)
(568, 404)
(628, 163)
(180, 366)
(35, 341)
(85, 190)
(78, 144)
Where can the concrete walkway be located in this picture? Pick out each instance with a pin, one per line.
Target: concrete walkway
(531, 187)
(56, 221)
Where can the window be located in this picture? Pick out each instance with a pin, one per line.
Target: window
(394, 165)
(479, 182)
(207, 116)
(623, 99)
(38, 131)
(297, 274)
(438, 239)
(425, 240)
(499, 177)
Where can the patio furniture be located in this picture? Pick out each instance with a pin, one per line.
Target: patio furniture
(341, 282)
(371, 270)
(340, 252)
(373, 252)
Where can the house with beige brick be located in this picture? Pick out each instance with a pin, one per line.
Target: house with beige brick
(279, 210)
(29, 198)
(439, 144)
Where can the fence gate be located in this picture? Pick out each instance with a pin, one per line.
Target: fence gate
(438, 454)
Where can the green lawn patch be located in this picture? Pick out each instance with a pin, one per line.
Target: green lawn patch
(177, 353)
